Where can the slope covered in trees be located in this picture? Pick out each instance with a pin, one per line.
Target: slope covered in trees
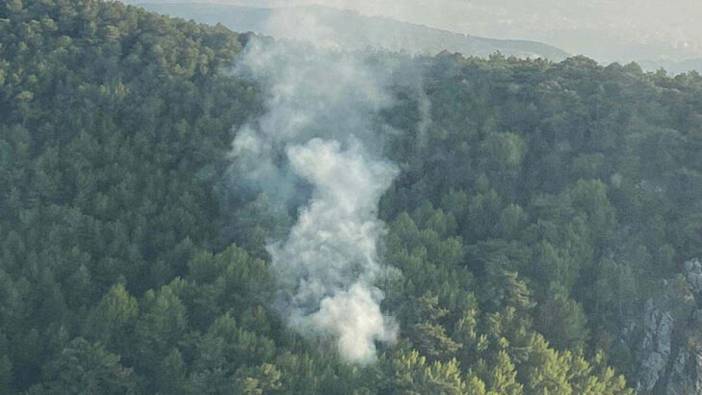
(545, 222)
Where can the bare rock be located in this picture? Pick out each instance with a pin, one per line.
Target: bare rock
(655, 347)
(693, 275)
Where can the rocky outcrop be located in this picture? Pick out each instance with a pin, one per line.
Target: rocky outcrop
(656, 346)
(670, 350)
(684, 377)
(693, 275)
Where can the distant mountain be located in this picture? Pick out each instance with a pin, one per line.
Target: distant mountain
(673, 66)
(353, 30)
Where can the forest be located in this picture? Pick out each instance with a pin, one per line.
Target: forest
(540, 231)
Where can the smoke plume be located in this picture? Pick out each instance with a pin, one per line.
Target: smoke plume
(319, 131)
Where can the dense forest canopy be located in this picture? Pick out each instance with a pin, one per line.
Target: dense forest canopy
(544, 226)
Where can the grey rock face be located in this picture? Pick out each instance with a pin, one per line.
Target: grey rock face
(656, 346)
(670, 363)
(693, 275)
(679, 380)
(686, 374)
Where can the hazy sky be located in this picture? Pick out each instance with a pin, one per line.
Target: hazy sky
(605, 29)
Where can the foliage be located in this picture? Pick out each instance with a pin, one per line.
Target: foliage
(530, 223)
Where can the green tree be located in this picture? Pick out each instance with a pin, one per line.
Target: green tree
(113, 319)
(86, 368)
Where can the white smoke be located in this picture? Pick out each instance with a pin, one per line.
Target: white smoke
(319, 121)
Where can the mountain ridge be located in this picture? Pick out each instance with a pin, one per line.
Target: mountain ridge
(359, 31)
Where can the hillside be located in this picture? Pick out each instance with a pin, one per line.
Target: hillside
(186, 210)
(673, 66)
(354, 31)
